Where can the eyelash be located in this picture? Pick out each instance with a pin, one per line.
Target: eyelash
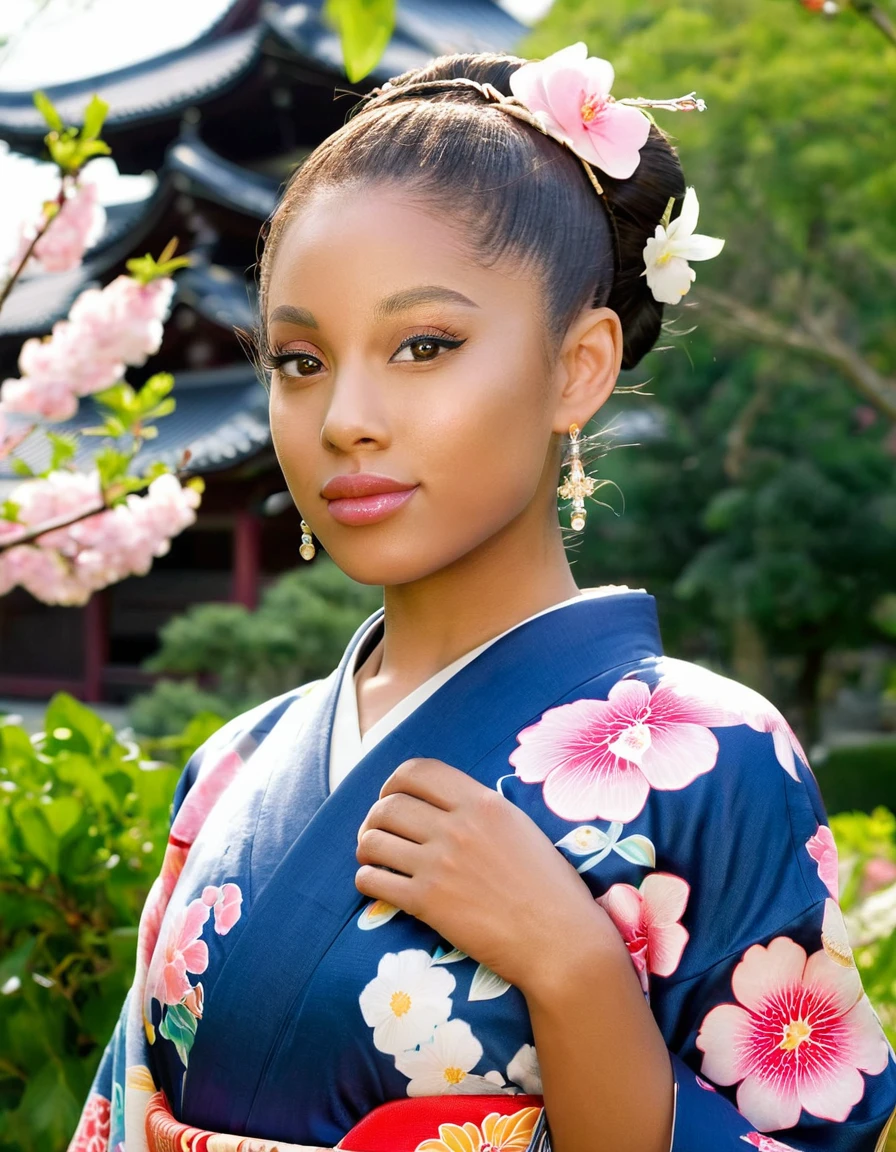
(273, 360)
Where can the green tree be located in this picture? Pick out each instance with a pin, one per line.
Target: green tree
(761, 508)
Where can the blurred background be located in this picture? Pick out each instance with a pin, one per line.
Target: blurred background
(752, 455)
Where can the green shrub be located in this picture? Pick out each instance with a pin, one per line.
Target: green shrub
(860, 777)
(83, 826)
(866, 846)
(297, 633)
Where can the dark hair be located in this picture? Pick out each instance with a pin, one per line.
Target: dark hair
(519, 192)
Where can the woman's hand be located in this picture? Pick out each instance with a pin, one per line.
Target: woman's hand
(480, 872)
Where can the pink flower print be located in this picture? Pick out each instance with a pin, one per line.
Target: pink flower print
(766, 1143)
(184, 952)
(569, 92)
(734, 703)
(648, 921)
(798, 1038)
(214, 777)
(705, 1085)
(600, 758)
(92, 1134)
(226, 902)
(823, 850)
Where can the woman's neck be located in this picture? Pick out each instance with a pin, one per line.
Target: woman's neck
(434, 621)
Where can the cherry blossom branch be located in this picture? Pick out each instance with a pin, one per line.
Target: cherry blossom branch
(16, 272)
(68, 520)
(813, 339)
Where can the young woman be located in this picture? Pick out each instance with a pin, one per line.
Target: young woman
(509, 877)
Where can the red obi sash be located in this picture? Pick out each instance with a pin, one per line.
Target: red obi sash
(425, 1124)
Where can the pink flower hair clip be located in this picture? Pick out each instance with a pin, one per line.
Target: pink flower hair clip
(567, 97)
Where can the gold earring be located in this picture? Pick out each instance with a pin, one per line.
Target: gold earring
(577, 485)
(306, 549)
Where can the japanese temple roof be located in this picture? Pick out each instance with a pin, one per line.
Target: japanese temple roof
(221, 415)
(219, 58)
(219, 180)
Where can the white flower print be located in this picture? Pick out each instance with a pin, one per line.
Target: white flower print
(524, 1071)
(442, 1066)
(406, 1000)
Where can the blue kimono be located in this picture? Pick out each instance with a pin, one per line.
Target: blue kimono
(275, 1002)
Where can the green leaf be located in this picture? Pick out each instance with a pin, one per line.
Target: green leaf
(637, 849)
(365, 28)
(47, 109)
(120, 398)
(112, 465)
(20, 467)
(487, 985)
(63, 815)
(65, 445)
(179, 1026)
(9, 510)
(75, 726)
(37, 835)
(94, 115)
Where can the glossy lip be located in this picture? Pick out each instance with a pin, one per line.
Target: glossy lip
(369, 509)
(359, 484)
(365, 497)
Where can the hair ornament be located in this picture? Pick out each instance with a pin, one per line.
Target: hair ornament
(567, 96)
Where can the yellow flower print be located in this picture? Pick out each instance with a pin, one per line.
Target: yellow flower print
(498, 1134)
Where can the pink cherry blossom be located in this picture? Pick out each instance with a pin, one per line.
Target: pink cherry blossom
(570, 94)
(600, 758)
(11, 436)
(66, 565)
(648, 919)
(798, 1039)
(76, 226)
(184, 952)
(123, 321)
(823, 850)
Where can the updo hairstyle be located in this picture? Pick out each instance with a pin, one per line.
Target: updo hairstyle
(517, 192)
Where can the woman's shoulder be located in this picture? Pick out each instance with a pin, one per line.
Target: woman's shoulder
(232, 745)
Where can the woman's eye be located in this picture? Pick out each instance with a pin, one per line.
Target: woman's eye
(296, 364)
(420, 349)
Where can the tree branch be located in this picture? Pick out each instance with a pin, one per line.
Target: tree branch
(813, 339)
(16, 272)
(64, 521)
(877, 16)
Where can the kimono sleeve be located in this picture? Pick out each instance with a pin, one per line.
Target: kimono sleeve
(207, 773)
(773, 1042)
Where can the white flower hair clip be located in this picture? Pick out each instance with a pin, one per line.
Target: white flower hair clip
(568, 95)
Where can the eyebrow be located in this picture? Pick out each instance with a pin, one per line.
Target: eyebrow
(390, 306)
(293, 316)
(428, 294)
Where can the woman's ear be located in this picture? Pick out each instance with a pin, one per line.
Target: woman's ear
(587, 366)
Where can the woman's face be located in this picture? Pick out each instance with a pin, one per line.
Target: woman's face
(404, 360)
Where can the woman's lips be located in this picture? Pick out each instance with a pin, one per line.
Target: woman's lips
(368, 509)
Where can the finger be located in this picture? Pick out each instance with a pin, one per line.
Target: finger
(433, 781)
(383, 850)
(388, 886)
(404, 815)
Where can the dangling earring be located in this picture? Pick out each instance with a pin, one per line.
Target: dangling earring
(306, 549)
(577, 485)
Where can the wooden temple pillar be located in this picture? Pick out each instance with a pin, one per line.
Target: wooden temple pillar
(96, 646)
(246, 557)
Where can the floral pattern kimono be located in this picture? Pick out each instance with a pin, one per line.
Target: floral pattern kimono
(273, 1006)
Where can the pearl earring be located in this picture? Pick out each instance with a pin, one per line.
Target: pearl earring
(306, 549)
